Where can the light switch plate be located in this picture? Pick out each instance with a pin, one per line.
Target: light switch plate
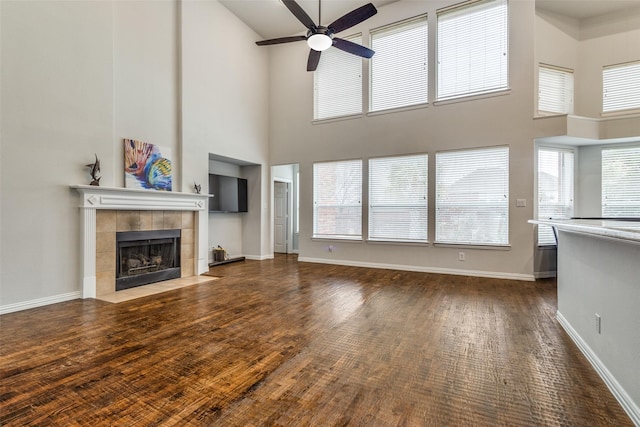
(521, 203)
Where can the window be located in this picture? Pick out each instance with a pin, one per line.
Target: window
(337, 192)
(472, 196)
(472, 49)
(398, 198)
(621, 182)
(555, 188)
(399, 67)
(621, 87)
(337, 83)
(555, 90)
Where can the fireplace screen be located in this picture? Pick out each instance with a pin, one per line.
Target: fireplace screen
(144, 257)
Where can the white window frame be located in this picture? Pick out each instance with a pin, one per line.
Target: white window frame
(398, 198)
(398, 72)
(484, 55)
(455, 210)
(620, 187)
(337, 84)
(565, 189)
(555, 90)
(343, 194)
(621, 89)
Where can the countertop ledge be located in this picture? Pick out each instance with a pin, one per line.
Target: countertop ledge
(622, 230)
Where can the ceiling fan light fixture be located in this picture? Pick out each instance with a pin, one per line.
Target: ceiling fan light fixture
(319, 42)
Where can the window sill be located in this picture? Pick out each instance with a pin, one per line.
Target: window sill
(397, 109)
(469, 246)
(336, 119)
(399, 242)
(472, 97)
(337, 238)
(621, 114)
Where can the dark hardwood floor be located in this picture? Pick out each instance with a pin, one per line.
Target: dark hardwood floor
(281, 343)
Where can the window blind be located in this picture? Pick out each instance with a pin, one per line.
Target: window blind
(621, 182)
(337, 83)
(398, 70)
(337, 192)
(472, 49)
(621, 87)
(472, 196)
(398, 198)
(555, 90)
(555, 189)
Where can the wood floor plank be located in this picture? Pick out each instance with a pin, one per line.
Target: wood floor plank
(282, 343)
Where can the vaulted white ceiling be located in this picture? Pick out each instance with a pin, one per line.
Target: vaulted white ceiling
(271, 19)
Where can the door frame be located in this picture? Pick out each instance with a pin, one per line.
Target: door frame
(289, 226)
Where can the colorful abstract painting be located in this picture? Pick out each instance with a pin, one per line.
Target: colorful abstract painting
(146, 166)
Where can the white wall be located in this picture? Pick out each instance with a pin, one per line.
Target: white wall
(608, 40)
(556, 43)
(225, 112)
(57, 111)
(146, 79)
(502, 120)
(600, 275)
(585, 46)
(77, 77)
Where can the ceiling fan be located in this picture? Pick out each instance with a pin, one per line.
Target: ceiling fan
(321, 38)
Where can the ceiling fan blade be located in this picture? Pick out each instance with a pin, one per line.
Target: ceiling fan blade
(354, 17)
(352, 47)
(281, 40)
(314, 59)
(299, 13)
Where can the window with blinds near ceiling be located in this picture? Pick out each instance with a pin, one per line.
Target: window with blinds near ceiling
(398, 198)
(472, 49)
(337, 193)
(621, 182)
(555, 188)
(555, 90)
(472, 196)
(337, 83)
(621, 87)
(398, 70)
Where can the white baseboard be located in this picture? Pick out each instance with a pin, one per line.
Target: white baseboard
(25, 305)
(422, 269)
(545, 274)
(630, 407)
(258, 257)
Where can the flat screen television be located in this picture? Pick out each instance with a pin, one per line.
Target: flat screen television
(229, 194)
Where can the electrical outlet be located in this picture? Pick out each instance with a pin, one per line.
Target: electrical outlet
(598, 323)
(461, 256)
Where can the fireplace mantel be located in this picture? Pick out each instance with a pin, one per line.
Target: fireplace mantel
(112, 198)
(95, 197)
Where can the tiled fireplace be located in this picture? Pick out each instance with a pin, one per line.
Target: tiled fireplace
(109, 212)
(110, 223)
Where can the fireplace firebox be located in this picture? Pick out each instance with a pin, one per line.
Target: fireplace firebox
(144, 257)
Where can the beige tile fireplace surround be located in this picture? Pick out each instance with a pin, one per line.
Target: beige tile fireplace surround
(109, 222)
(107, 210)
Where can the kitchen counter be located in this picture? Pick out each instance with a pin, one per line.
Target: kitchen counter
(599, 299)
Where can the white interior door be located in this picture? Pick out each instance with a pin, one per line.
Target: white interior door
(281, 208)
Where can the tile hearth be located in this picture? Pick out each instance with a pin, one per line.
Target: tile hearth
(154, 288)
